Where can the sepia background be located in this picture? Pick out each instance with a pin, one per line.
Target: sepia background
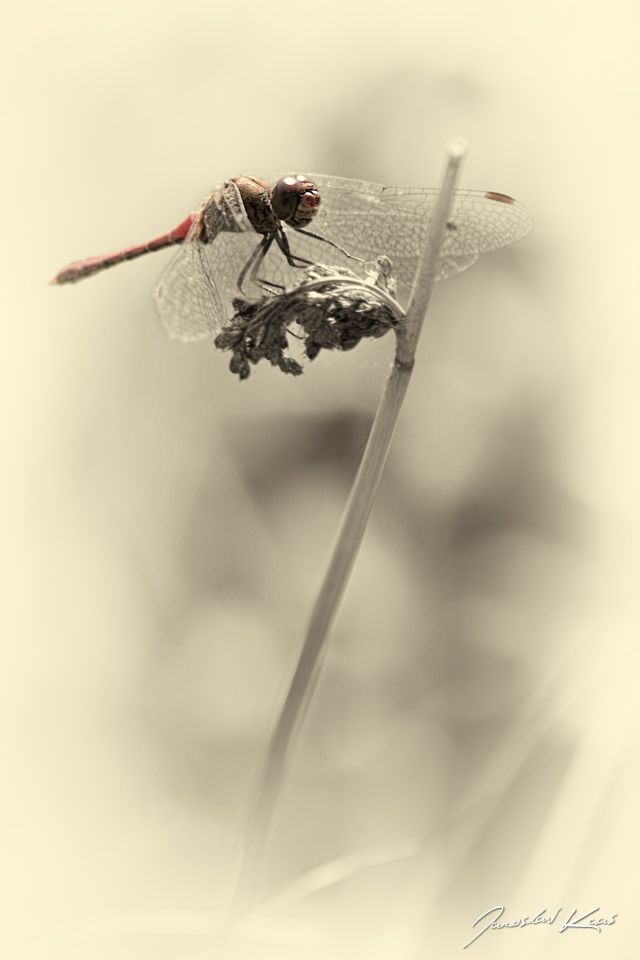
(473, 741)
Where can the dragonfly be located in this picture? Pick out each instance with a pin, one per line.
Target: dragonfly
(249, 237)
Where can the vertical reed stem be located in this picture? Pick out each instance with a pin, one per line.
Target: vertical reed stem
(350, 537)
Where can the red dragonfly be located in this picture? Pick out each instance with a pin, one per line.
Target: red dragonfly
(249, 237)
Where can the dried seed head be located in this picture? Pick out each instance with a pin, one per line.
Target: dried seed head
(332, 307)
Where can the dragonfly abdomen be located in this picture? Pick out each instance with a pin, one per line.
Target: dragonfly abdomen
(90, 265)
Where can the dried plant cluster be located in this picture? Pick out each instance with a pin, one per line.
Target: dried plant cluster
(332, 308)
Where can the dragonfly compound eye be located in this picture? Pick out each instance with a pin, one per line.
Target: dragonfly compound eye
(295, 200)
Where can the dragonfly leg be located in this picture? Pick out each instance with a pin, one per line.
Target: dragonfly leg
(267, 285)
(317, 236)
(283, 242)
(255, 260)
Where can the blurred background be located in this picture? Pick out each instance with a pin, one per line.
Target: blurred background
(473, 738)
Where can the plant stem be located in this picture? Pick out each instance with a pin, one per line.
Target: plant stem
(350, 537)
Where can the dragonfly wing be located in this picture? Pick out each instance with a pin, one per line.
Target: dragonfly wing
(369, 219)
(449, 264)
(193, 296)
(186, 297)
(193, 293)
(483, 221)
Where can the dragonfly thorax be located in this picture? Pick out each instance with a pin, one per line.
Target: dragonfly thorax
(255, 195)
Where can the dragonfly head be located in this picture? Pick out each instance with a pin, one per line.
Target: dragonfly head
(295, 200)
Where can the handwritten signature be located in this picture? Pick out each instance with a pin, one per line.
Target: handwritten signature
(569, 924)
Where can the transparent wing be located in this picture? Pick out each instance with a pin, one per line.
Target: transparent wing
(368, 219)
(187, 300)
(187, 297)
